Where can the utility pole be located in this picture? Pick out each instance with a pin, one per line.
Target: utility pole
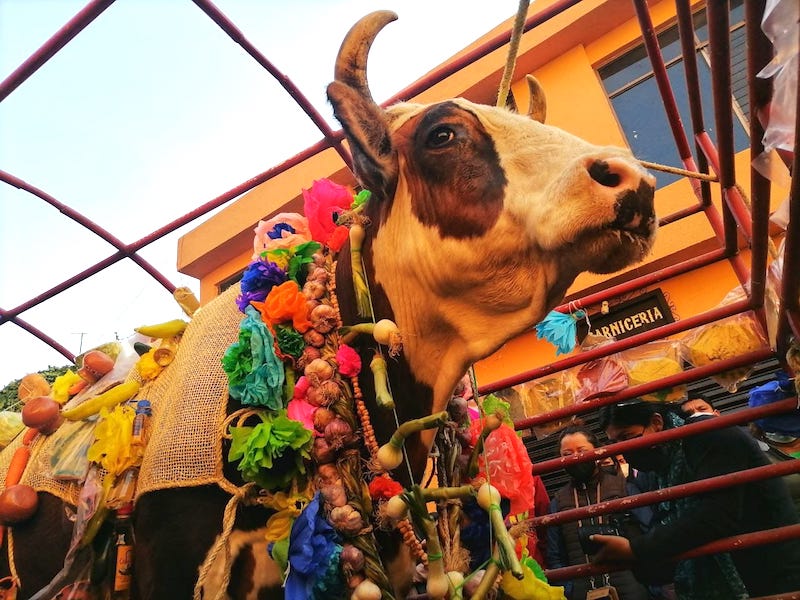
(80, 344)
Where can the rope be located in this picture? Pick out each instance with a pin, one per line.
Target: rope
(513, 49)
(229, 517)
(676, 171)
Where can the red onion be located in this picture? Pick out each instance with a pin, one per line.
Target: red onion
(314, 338)
(317, 371)
(346, 519)
(314, 290)
(322, 451)
(323, 318)
(339, 434)
(352, 560)
(318, 274)
(334, 495)
(328, 474)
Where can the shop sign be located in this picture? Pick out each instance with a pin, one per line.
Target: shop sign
(629, 318)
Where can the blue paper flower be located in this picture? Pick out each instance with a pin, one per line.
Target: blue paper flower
(313, 547)
(262, 275)
(244, 299)
(560, 329)
(276, 232)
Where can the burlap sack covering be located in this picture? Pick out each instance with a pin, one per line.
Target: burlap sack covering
(188, 399)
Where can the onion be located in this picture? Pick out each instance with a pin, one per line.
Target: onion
(396, 507)
(352, 559)
(366, 590)
(487, 496)
(317, 371)
(324, 318)
(334, 495)
(18, 503)
(458, 409)
(32, 385)
(323, 416)
(328, 474)
(346, 519)
(314, 290)
(314, 338)
(339, 434)
(389, 456)
(318, 274)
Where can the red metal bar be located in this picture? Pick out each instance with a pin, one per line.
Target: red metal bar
(758, 55)
(786, 467)
(302, 101)
(39, 334)
(72, 28)
(714, 314)
(87, 223)
(718, 22)
(789, 321)
(167, 229)
(729, 544)
(686, 28)
(662, 79)
(635, 391)
(680, 214)
(745, 415)
(644, 281)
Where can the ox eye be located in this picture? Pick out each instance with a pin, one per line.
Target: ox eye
(440, 137)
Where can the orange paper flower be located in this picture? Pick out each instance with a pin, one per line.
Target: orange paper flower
(283, 304)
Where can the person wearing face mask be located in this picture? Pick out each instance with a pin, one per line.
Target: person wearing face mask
(588, 484)
(686, 523)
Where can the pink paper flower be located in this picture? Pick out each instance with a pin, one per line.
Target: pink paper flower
(301, 388)
(285, 230)
(322, 205)
(349, 361)
(301, 411)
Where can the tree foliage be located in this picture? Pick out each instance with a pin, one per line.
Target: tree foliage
(8, 395)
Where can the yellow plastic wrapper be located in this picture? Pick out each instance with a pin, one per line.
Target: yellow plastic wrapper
(529, 587)
(10, 425)
(545, 395)
(112, 448)
(722, 340)
(654, 361)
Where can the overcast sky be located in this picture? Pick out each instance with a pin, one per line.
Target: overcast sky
(151, 111)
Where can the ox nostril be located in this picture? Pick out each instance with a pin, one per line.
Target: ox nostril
(601, 172)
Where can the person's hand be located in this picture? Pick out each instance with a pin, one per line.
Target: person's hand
(613, 549)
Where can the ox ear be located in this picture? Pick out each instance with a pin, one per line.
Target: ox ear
(537, 107)
(367, 131)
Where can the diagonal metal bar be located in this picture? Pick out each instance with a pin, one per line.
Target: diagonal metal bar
(22, 324)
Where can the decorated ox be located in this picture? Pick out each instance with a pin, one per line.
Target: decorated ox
(479, 221)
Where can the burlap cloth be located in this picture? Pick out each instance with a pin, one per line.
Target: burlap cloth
(188, 399)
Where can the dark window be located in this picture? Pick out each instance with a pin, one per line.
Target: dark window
(226, 283)
(632, 89)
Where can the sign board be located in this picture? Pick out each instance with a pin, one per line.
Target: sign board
(629, 318)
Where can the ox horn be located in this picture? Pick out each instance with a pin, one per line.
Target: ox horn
(351, 62)
(537, 107)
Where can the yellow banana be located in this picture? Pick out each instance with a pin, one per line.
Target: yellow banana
(163, 330)
(108, 399)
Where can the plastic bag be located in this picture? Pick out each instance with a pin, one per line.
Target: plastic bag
(68, 459)
(10, 425)
(545, 395)
(780, 26)
(772, 295)
(602, 376)
(721, 340)
(774, 391)
(653, 361)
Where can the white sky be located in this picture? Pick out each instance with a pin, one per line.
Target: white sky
(152, 111)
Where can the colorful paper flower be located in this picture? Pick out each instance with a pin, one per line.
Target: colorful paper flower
(560, 329)
(285, 303)
(60, 389)
(112, 448)
(348, 360)
(273, 452)
(147, 366)
(255, 374)
(301, 411)
(288, 507)
(314, 549)
(300, 388)
(244, 299)
(281, 231)
(383, 488)
(262, 275)
(323, 204)
(289, 341)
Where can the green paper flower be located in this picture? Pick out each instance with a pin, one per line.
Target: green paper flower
(273, 452)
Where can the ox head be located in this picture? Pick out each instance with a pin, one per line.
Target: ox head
(481, 217)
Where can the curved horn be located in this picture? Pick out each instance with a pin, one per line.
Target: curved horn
(537, 107)
(351, 62)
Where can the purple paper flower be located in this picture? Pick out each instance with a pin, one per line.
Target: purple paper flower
(262, 275)
(244, 299)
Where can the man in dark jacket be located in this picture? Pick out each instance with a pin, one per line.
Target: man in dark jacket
(763, 570)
